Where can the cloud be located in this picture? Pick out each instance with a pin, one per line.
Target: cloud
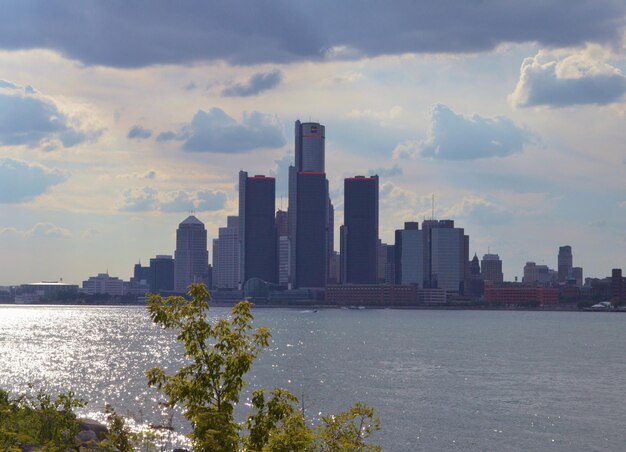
(21, 181)
(27, 118)
(479, 211)
(395, 170)
(149, 199)
(576, 79)
(138, 133)
(139, 200)
(215, 131)
(40, 230)
(256, 84)
(281, 173)
(453, 136)
(163, 32)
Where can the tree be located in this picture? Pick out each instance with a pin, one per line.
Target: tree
(209, 387)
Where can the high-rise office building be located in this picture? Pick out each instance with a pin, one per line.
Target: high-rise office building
(162, 273)
(359, 237)
(577, 274)
(491, 268)
(257, 228)
(310, 239)
(226, 255)
(564, 262)
(409, 255)
(284, 248)
(310, 210)
(191, 258)
(141, 277)
(447, 250)
(310, 146)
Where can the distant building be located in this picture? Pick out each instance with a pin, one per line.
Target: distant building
(371, 295)
(518, 294)
(360, 231)
(284, 260)
(45, 290)
(491, 268)
(162, 270)
(104, 284)
(474, 283)
(445, 247)
(564, 263)
(577, 274)
(432, 296)
(309, 229)
(226, 266)
(334, 271)
(191, 258)
(257, 228)
(409, 255)
(537, 274)
(618, 286)
(141, 277)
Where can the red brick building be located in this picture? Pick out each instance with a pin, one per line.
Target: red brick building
(520, 294)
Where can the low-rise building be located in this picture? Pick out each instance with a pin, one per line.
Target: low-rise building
(371, 295)
(104, 284)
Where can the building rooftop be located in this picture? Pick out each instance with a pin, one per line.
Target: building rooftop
(192, 220)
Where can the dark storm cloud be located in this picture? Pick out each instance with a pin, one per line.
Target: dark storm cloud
(215, 131)
(138, 133)
(21, 182)
(146, 32)
(454, 136)
(31, 120)
(256, 84)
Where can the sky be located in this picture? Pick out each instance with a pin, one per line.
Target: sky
(117, 118)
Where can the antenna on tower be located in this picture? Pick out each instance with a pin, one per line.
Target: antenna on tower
(433, 207)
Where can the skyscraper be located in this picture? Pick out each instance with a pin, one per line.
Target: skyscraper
(310, 210)
(564, 262)
(226, 255)
(445, 255)
(191, 258)
(409, 255)
(491, 268)
(162, 270)
(359, 239)
(257, 228)
(310, 146)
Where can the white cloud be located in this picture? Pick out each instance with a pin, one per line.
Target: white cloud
(555, 79)
(453, 136)
(40, 230)
(149, 199)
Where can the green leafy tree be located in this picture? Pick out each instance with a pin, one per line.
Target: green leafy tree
(208, 388)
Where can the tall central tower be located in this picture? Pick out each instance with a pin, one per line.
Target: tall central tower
(310, 209)
(310, 146)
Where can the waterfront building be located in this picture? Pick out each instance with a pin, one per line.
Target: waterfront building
(334, 271)
(564, 263)
(359, 237)
(432, 296)
(618, 286)
(162, 270)
(226, 266)
(104, 284)
(257, 228)
(491, 268)
(191, 258)
(409, 255)
(44, 291)
(371, 295)
(474, 284)
(514, 294)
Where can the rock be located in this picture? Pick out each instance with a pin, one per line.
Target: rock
(85, 436)
(99, 429)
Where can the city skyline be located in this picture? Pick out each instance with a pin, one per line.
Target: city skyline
(511, 117)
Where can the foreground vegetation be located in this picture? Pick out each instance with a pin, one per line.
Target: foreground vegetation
(208, 389)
